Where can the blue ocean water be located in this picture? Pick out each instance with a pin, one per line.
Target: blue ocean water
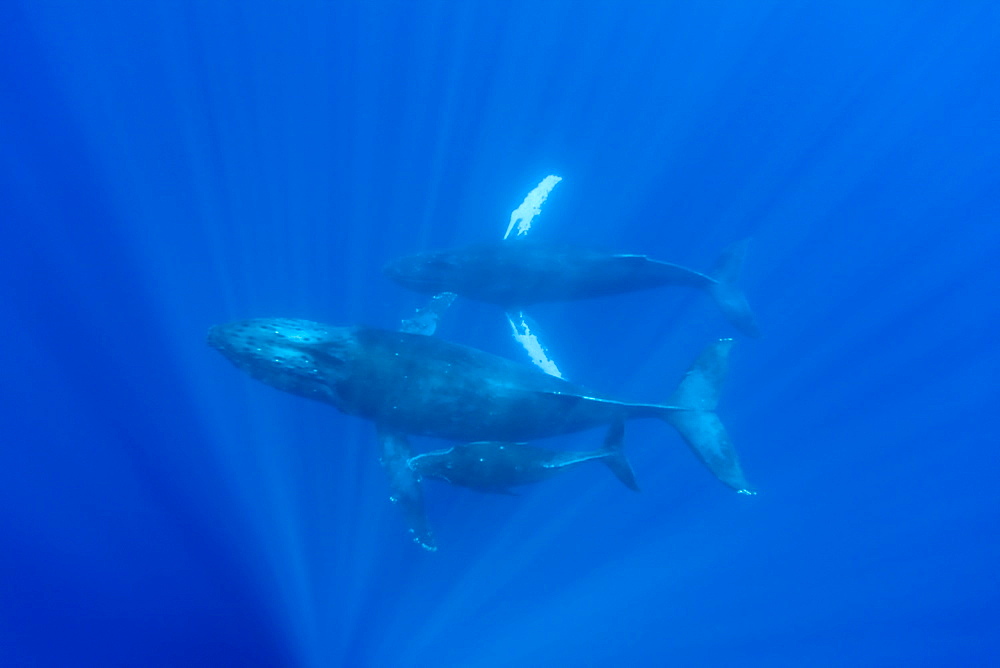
(167, 166)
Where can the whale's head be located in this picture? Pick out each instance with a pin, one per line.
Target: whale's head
(428, 273)
(298, 356)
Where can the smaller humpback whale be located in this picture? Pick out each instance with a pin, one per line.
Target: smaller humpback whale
(490, 466)
(517, 273)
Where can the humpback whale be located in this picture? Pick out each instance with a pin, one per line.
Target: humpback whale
(409, 384)
(517, 273)
(489, 466)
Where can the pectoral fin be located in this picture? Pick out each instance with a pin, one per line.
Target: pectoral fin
(425, 320)
(526, 334)
(404, 486)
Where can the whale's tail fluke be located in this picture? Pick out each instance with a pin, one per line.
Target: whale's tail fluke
(614, 458)
(726, 290)
(692, 413)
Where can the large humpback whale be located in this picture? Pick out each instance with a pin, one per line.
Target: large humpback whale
(517, 273)
(408, 384)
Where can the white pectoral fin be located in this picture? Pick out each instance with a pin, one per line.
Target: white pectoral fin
(523, 331)
(521, 217)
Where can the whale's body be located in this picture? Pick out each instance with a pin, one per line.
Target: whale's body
(515, 274)
(409, 384)
(417, 385)
(491, 466)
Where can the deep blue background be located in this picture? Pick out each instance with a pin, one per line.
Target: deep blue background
(165, 166)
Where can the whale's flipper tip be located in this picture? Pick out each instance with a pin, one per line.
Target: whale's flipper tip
(424, 541)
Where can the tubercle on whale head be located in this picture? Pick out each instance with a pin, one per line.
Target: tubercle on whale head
(298, 356)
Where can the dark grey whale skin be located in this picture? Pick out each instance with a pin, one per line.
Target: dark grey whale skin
(420, 385)
(515, 274)
(491, 466)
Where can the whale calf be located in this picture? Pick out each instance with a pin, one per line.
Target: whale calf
(409, 384)
(517, 273)
(490, 466)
